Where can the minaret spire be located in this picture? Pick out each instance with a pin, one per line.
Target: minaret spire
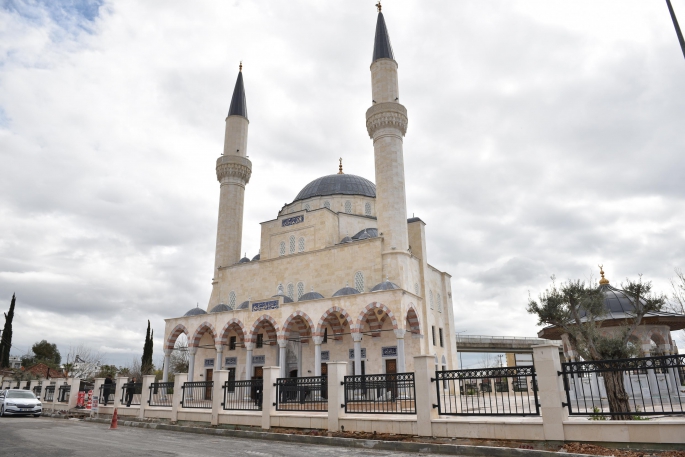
(238, 101)
(381, 45)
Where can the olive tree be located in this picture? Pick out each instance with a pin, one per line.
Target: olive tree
(578, 309)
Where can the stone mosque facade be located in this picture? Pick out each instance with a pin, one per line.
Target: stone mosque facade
(341, 275)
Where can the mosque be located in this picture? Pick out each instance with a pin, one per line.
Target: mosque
(341, 274)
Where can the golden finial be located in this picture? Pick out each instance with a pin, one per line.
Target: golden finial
(601, 272)
(240, 67)
(340, 172)
(379, 6)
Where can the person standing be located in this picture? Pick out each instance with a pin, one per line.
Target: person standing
(130, 390)
(107, 390)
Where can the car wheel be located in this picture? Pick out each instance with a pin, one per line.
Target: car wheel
(2, 411)
(36, 415)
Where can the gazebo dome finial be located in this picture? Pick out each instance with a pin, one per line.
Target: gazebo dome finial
(603, 280)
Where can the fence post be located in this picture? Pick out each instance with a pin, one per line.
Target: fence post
(179, 380)
(96, 390)
(75, 384)
(551, 392)
(426, 395)
(121, 380)
(55, 393)
(220, 377)
(336, 394)
(269, 395)
(148, 379)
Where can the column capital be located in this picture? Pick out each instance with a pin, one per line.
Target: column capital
(192, 350)
(317, 340)
(219, 348)
(249, 346)
(357, 337)
(399, 333)
(282, 343)
(167, 352)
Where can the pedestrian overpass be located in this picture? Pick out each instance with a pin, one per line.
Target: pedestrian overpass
(500, 344)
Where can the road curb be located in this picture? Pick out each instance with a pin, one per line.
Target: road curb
(399, 446)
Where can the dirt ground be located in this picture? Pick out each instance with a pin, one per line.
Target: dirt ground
(591, 449)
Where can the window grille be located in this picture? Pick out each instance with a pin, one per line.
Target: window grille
(359, 281)
(281, 248)
(433, 334)
(231, 343)
(442, 343)
(416, 288)
(300, 244)
(430, 298)
(367, 209)
(279, 289)
(292, 245)
(348, 207)
(439, 303)
(291, 291)
(260, 340)
(327, 204)
(325, 335)
(300, 290)
(307, 207)
(231, 300)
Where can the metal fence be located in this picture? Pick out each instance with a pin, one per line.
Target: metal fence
(49, 393)
(36, 391)
(107, 394)
(245, 395)
(131, 393)
(393, 393)
(161, 394)
(625, 388)
(64, 393)
(302, 394)
(197, 394)
(507, 391)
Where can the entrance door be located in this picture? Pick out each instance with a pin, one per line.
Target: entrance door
(324, 369)
(391, 380)
(258, 373)
(324, 384)
(209, 376)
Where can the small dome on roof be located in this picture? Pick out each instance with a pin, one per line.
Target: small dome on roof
(195, 312)
(337, 184)
(385, 285)
(257, 257)
(366, 233)
(244, 305)
(220, 308)
(346, 291)
(347, 239)
(244, 260)
(286, 299)
(311, 296)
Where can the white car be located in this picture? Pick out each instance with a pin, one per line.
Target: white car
(18, 401)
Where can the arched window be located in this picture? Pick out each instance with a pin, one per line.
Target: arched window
(327, 204)
(359, 281)
(292, 244)
(430, 298)
(279, 289)
(367, 209)
(439, 303)
(307, 207)
(300, 290)
(291, 291)
(281, 248)
(416, 288)
(348, 207)
(300, 245)
(231, 300)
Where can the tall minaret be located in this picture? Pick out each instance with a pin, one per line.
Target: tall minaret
(233, 170)
(386, 122)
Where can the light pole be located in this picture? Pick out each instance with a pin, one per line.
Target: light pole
(457, 347)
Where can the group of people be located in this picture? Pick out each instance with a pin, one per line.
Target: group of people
(110, 389)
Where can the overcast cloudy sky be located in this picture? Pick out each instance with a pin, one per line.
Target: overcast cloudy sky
(545, 137)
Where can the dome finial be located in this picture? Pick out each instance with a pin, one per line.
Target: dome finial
(240, 67)
(379, 6)
(601, 272)
(340, 172)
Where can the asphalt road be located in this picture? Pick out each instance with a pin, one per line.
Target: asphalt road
(46, 437)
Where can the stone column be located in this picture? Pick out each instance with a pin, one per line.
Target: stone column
(550, 391)
(401, 362)
(299, 359)
(248, 360)
(179, 380)
(269, 395)
(191, 363)
(167, 362)
(96, 389)
(118, 385)
(282, 357)
(317, 354)
(357, 338)
(219, 357)
(426, 394)
(220, 378)
(75, 384)
(148, 379)
(336, 394)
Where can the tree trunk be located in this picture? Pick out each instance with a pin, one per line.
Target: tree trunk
(619, 402)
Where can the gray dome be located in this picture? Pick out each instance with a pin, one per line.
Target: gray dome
(346, 291)
(286, 299)
(244, 260)
(366, 233)
(220, 308)
(385, 285)
(257, 257)
(347, 239)
(244, 305)
(311, 296)
(195, 312)
(336, 185)
(616, 302)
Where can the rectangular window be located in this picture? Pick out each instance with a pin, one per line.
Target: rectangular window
(433, 332)
(325, 335)
(231, 343)
(442, 344)
(260, 340)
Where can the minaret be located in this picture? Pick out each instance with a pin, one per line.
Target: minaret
(386, 122)
(233, 170)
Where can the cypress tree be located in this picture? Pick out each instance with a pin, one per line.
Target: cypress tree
(146, 360)
(6, 342)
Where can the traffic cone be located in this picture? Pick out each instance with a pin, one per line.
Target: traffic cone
(115, 419)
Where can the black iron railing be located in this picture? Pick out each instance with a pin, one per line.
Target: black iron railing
(131, 393)
(49, 394)
(393, 393)
(302, 394)
(622, 389)
(107, 394)
(510, 391)
(36, 391)
(197, 394)
(245, 395)
(161, 394)
(64, 393)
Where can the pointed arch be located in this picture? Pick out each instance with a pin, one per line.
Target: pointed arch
(298, 321)
(368, 314)
(173, 336)
(237, 326)
(199, 333)
(337, 318)
(413, 320)
(268, 324)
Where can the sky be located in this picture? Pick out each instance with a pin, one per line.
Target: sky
(543, 140)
